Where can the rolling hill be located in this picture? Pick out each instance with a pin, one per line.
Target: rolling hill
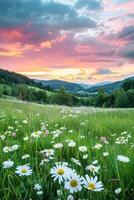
(83, 88)
(57, 84)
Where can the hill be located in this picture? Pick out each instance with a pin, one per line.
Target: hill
(57, 84)
(110, 87)
(83, 88)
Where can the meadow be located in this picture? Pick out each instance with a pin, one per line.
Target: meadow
(58, 152)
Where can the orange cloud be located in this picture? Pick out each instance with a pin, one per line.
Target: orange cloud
(46, 44)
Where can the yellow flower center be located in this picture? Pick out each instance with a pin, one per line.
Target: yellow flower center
(91, 186)
(60, 171)
(24, 171)
(92, 168)
(73, 183)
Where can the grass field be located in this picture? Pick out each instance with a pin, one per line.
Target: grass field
(39, 144)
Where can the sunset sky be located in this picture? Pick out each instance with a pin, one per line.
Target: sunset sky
(75, 40)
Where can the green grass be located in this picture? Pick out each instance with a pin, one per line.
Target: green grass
(7, 87)
(49, 93)
(91, 123)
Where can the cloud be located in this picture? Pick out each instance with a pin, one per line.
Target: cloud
(89, 4)
(104, 71)
(18, 13)
(127, 33)
(127, 52)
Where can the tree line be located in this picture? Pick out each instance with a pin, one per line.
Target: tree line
(23, 88)
(122, 98)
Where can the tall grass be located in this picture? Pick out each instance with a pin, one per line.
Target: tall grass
(86, 127)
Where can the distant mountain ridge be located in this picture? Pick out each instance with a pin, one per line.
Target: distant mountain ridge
(57, 84)
(7, 77)
(83, 88)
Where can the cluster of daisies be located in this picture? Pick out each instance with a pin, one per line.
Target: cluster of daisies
(72, 181)
(62, 172)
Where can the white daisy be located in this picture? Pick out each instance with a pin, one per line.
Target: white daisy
(92, 184)
(37, 186)
(123, 158)
(82, 148)
(58, 145)
(74, 184)
(60, 172)
(105, 154)
(8, 164)
(40, 192)
(93, 169)
(85, 156)
(117, 191)
(71, 144)
(70, 197)
(25, 156)
(23, 170)
(36, 134)
(98, 146)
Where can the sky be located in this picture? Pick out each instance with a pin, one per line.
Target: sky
(87, 41)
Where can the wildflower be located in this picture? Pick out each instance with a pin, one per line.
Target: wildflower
(93, 169)
(60, 172)
(8, 164)
(105, 154)
(37, 186)
(58, 145)
(92, 184)
(24, 121)
(36, 134)
(39, 192)
(70, 197)
(49, 153)
(82, 148)
(85, 156)
(14, 147)
(98, 146)
(95, 162)
(2, 137)
(74, 184)
(71, 144)
(59, 192)
(25, 138)
(77, 162)
(23, 170)
(25, 156)
(6, 149)
(123, 158)
(117, 191)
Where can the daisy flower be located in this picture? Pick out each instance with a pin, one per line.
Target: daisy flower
(60, 172)
(117, 191)
(70, 197)
(37, 186)
(93, 169)
(23, 170)
(71, 144)
(58, 145)
(82, 148)
(74, 184)
(123, 158)
(105, 154)
(40, 192)
(92, 184)
(7, 164)
(36, 134)
(25, 156)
